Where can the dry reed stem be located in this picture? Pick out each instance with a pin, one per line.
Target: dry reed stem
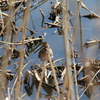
(4, 14)
(76, 22)
(57, 2)
(94, 97)
(11, 16)
(23, 95)
(9, 94)
(2, 46)
(25, 22)
(7, 54)
(1, 18)
(8, 37)
(42, 17)
(73, 39)
(89, 84)
(20, 42)
(68, 77)
(79, 70)
(12, 89)
(13, 86)
(40, 83)
(55, 61)
(75, 76)
(83, 6)
(55, 79)
(80, 22)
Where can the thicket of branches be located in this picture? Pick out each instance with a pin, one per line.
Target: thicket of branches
(64, 79)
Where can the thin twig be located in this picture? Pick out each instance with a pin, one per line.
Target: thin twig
(89, 83)
(40, 83)
(42, 17)
(20, 42)
(55, 79)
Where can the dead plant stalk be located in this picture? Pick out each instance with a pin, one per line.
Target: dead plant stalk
(73, 39)
(6, 51)
(25, 22)
(11, 16)
(55, 79)
(67, 81)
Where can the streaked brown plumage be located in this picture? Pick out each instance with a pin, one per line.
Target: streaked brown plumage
(43, 53)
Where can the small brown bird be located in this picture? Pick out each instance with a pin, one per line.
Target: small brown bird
(44, 52)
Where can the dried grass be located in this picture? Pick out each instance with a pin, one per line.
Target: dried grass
(68, 90)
